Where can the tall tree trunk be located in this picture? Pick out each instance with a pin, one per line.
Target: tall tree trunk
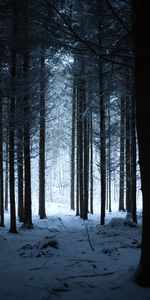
(72, 190)
(27, 162)
(102, 122)
(102, 155)
(78, 155)
(133, 160)
(6, 173)
(91, 162)
(42, 212)
(80, 145)
(20, 172)
(26, 118)
(86, 158)
(142, 69)
(11, 168)
(1, 159)
(128, 148)
(122, 132)
(109, 157)
(6, 179)
(12, 127)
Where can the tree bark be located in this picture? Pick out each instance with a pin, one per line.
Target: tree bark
(80, 144)
(42, 212)
(12, 126)
(7, 164)
(122, 131)
(102, 121)
(91, 161)
(20, 172)
(27, 162)
(72, 190)
(85, 156)
(1, 160)
(142, 84)
(128, 147)
(26, 119)
(109, 157)
(133, 160)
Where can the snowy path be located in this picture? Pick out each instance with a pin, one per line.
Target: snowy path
(65, 258)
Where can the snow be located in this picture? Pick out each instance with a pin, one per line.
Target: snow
(67, 258)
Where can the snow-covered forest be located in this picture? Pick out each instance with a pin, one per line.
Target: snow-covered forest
(71, 149)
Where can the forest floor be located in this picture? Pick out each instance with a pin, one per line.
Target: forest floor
(65, 258)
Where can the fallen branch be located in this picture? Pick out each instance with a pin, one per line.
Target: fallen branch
(89, 237)
(89, 275)
(41, 267)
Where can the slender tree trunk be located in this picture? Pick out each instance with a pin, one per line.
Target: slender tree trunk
(86, 159)
(109, 157)
(6, 174)
(12, 128)
(20, 172)
(11, 168)
(128, 149)
(107, 186)
(1, 161)
(80, 145)
(102, 151)
(27, 163)
(91, 163)
(133, 161)
(42, 212)
(26, 118)
(122, 131)
(72, 190)
(6, 161)
(78, 157)
(102, 122)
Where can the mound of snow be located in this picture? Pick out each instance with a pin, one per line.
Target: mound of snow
(120, 222)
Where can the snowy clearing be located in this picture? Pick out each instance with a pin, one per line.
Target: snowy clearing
(65, 258)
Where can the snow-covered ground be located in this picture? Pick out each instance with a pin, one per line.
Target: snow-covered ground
(64, 257)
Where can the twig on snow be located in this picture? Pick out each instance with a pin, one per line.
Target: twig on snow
(89, 237)
(89, 275)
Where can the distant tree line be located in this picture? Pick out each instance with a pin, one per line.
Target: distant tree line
(99, 38)
(106, 54)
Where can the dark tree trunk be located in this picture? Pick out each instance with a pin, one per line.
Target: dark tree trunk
(122, 131)
(6, 174)
(1, 160)
(133, 161)
(42, 212)
(86, 158)
(12, 127)
(142, 84)
(26, 119)
(27, 163)
(20, 172)
(72, 190)
(102, 159)
(78, 156)
(109, 158)
(80, 145)
(91, 162)
(7, 162)
(11, 168)
(128, 149)
(102, 121)
(27, 169)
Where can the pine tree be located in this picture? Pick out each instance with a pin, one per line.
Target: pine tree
(1, 157)
(42, 212)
